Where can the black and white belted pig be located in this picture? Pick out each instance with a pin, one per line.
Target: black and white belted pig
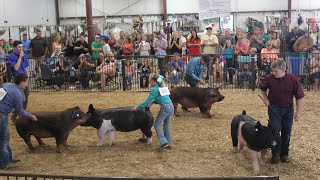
(106, 121)
(251, 133)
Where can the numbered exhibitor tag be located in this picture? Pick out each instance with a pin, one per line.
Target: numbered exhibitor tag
(2, 93)
(164, 91)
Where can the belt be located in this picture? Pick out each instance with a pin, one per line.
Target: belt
(168, 104)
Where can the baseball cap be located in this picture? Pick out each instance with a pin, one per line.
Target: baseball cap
(209, 28)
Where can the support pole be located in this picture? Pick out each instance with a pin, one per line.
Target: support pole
(89, 22)
(289, 9)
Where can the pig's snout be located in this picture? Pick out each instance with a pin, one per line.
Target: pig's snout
(221, 98)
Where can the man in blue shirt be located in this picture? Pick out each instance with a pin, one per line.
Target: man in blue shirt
(26, 44)
(18, 63)
(11, 97)
(195, 69)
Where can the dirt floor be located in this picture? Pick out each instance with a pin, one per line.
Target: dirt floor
(202, 147)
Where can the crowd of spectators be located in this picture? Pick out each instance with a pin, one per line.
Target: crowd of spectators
(161, 54)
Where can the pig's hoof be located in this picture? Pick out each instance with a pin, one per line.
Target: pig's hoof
(142, 140)
(185, 109)
(234, 149)
(209, 116)
(111, 144)
(32, 149)
(149, 141)
(100, 144)
(59, 149)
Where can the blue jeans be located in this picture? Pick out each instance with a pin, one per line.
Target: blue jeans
(164, 115)
(281, 119)
(175, 78)
(192, 82)
(5, 148)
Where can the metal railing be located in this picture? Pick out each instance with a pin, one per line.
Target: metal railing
(116, 75)
(25, 176)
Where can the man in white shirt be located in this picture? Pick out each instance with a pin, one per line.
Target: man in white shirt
(209, 41)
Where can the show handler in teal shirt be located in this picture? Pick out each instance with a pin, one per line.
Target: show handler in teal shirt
(165, 113)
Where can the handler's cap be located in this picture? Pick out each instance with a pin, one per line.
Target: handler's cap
(209, 28)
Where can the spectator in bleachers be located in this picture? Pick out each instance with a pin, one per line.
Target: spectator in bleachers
(3, 71)
(268, 53)
(38, 47)
(19, 63)
(144, 73)
(244, 74)
(96, 47)
(112, 43)
(86, 66)
(61, 71)
(136, 44)
(316, 38)
(315, 69)
(129, 72)
(127, 46)
(175, 44)
(81, 46)
(2, 50)
(69, 47)
(9, 46)
(176, 70)
(209, 41)
(26, 44)
(57, 44)
(56, 52)
(106, 68)
(101, 36)
(256, 40)
(144, 46)
(217, 69)
(184, 43)
(160, 46)
(264, 37)
(241, 47)
(292, 37)
(271, 31)
(303, 43)
(105, 47)
(275, 41)
(194, 43)
(119, 43)
(229, 53)
(238, 34)
(227, 36)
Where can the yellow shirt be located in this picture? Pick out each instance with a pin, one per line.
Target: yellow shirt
(212, 39)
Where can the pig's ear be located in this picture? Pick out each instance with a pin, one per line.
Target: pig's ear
(257, 127)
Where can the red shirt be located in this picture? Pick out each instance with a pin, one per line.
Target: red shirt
(282, 90)
(194, 50)
(244, 47)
